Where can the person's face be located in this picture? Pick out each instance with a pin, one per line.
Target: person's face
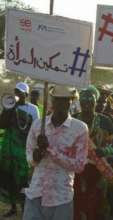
(34, 98)
(60, 105)
(87, 104)
(22, 96)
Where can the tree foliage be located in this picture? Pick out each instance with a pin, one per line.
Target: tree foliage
(13, 3)
(2, 30)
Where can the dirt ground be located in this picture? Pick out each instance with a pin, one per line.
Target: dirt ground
(4, 208)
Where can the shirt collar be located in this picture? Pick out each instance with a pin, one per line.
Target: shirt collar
(67, 122)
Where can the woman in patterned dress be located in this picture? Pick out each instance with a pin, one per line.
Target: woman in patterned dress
(90, 186)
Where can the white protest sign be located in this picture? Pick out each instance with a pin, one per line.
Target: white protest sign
(49, 48)
(103, 49)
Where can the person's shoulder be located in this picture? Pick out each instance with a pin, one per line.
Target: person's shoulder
(104, 117)
(80, 125)
(33, 109)
(38, 121)
(106, 123)
(32, 106)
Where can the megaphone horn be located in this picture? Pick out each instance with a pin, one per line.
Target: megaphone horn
(8, 101)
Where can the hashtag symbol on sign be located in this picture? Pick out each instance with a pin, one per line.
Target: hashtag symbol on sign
(104, 30)
(77, 56)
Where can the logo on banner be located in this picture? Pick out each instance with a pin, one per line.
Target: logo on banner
(43, 27)
(25, 24)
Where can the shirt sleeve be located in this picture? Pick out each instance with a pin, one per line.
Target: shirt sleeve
(36, 113)
(101, 164)
(31, 143)
(72, 158)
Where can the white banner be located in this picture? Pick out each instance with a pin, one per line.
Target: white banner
(49, 48)
(103, 49)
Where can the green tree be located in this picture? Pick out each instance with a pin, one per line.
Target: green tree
(2, 29)
(13, 3)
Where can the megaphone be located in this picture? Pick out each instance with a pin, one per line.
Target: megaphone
(8, 101)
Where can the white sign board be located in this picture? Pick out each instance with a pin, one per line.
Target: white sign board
(49, 48)
(103, 49)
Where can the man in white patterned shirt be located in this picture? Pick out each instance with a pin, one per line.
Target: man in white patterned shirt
(62, 151)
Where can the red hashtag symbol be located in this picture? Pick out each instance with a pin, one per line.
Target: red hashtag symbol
(108, 19)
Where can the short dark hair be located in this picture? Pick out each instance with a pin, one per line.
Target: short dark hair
(34, 91)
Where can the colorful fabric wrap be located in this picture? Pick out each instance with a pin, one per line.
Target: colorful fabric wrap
(91, 93)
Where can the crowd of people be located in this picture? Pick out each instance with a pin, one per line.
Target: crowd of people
(66, 172)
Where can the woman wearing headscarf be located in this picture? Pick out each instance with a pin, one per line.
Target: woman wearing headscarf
(90, 185)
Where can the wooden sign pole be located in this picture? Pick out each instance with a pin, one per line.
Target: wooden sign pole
(45, 100)
(45, 96)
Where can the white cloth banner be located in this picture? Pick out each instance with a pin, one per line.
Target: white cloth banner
(103, 48)
(49, 48)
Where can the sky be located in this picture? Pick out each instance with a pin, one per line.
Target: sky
(77, 9)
